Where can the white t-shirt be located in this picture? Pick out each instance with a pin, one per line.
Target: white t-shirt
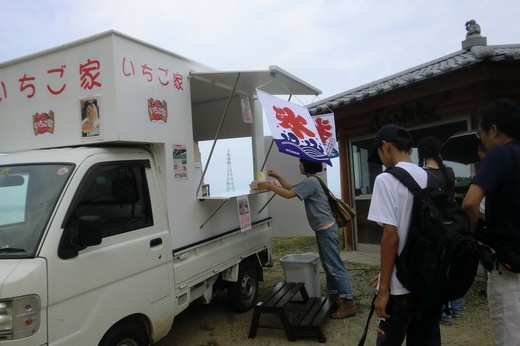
(392, 205)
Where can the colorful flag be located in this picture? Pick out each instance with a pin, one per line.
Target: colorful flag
(293, 129)
(327, 131)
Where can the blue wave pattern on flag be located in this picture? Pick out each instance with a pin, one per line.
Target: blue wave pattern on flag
(308, 149)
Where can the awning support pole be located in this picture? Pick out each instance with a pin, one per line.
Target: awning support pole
(265, 205)
(217, 134)
(214, 212)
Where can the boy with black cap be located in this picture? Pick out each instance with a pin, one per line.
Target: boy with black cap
(391, 206)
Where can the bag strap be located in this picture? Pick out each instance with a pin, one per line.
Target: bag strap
(333, 200)
(324, 186)
(406, 178)
(330, 195)
(372, 308)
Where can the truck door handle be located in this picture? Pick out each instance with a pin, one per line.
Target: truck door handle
(155, 242)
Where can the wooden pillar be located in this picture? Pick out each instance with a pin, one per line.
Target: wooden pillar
(344, 183)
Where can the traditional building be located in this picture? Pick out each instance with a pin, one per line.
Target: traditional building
(439, 98)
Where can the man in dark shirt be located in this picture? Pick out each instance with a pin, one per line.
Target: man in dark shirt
(498, 179)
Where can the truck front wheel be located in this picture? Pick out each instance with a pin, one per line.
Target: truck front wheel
(242, 295)
(125, 334)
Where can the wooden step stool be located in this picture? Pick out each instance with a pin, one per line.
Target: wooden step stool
(299, 319)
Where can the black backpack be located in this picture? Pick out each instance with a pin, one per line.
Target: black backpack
(440, 258)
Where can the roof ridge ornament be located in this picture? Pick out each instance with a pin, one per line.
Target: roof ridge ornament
(472, 28)
(473, 36)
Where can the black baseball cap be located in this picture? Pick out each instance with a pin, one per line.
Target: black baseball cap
(389, 133)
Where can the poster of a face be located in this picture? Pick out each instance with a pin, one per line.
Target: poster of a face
(90, 117)
(244, 213)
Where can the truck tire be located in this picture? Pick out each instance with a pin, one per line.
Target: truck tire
(125, 334)
(242, 295)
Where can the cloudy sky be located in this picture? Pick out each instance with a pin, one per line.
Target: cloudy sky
(335, 45)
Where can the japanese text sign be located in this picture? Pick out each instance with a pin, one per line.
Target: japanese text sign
(327, 131)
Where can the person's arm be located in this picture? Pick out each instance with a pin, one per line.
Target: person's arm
(278, 190)
(286, 192)
(471, 204)
(285, 184)
(389, 247)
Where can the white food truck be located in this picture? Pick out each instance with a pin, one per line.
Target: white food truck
(107, 230)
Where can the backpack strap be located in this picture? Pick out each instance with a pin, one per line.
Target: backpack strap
(406, 178)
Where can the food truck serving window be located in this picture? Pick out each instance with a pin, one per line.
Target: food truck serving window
(223, 107)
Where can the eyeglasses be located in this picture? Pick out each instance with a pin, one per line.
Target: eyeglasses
(479, 134)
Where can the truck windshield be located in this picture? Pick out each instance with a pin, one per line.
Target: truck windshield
(28, 195)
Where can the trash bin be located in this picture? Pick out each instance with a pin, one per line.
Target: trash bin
(303, 268)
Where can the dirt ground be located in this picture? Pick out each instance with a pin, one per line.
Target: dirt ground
(216, 325)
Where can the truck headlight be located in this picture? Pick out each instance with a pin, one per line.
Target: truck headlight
(19, 317)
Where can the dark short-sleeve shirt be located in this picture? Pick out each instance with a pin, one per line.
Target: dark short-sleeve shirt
(317, 205)
(499, 177)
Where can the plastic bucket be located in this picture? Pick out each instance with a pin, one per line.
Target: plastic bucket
(303, 268)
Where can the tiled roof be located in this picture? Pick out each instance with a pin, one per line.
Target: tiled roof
(445, 64)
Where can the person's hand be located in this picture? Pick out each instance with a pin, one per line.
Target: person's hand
(380, 304)
(264, 185)
(272, 173)
(375, 281)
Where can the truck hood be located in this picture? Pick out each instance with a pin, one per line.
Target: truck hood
(20, 277)
(7, 267)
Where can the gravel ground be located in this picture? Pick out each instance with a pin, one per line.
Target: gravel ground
(216, 325)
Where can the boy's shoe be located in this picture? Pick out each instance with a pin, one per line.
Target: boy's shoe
(345, 309)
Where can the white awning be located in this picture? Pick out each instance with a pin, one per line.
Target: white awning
(216, 107)
(216, 102)
(211, 86)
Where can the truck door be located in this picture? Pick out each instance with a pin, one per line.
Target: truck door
(127, 273)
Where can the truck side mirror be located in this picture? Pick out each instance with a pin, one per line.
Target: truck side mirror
(89, 231)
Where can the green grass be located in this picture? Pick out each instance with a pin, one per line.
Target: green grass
(292, 245)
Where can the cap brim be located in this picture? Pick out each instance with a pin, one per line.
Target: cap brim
(374, 156)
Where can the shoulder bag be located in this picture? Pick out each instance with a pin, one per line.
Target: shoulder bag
(341, 210)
